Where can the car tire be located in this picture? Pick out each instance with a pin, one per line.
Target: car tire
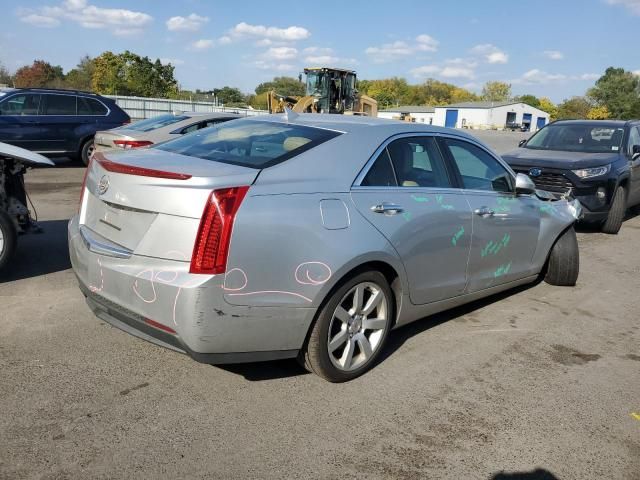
(563, 265)
(357, 338)
(8, 239)
(616, 214)
(86, 151)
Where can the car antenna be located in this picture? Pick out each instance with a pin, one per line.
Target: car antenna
(289, 115)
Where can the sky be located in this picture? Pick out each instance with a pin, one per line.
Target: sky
(553, 48)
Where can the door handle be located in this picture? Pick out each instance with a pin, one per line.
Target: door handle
(484, 212)
(387, 208)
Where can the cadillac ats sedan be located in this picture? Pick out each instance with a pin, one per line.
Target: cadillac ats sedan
(308, 236)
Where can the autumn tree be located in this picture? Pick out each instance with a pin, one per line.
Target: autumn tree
(5, 77)
(496, 91)
(283, 86)
(38, 74)
(599, 112)
(529, 99)
(574, 108)
(387, 92)
(546, 105)
(618, 91)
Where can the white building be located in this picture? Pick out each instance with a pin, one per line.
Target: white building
(474, 115)
(490, 115)
(414, 113)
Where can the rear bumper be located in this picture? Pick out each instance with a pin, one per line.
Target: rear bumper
(124, 292)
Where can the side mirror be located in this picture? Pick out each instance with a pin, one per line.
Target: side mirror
(524, 185)
(521, 143)
(635, 152)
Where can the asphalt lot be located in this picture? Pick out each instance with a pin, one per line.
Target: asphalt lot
(541, 381)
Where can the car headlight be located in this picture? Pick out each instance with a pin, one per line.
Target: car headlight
(592, 172)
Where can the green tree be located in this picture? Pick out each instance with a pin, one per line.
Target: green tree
(574, 108)
(5, 77)
(130, 74)
(230, 96)
(529, 99)
(546, 105)
(39, 74)
(496, 91)
(283, 86)
(80, 77)
(388, 92)
(619, 91)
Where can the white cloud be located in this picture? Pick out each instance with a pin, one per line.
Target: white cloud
(632, 5)
(117, 20)
(191, 23)
(426, 43)
(281, 53)
(325, 57)
(490, 53)
(636, 72)
(288, 34)
(202, 44)
(536, 76)
(553, 54)
(589, 76)
(318, 51)
(455, 69)
(224, 40)
(392, 51)
(278, 67)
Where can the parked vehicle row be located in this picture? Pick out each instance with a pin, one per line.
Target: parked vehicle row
(308, 236)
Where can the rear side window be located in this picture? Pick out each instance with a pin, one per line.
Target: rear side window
(27, 104)
(90, 106)
(249, 143)
(381, 173)
(59, 105)
(156, 122)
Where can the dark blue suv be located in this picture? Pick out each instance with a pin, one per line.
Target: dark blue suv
(56, 123)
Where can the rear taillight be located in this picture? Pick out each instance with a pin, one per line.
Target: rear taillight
(114, 167)
(84, 182)
(214, 234)
(159, 326)
(127, 144)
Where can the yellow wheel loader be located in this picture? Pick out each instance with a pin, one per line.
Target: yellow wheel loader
(329, 90)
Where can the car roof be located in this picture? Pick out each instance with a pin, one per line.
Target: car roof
(51, 90)
(355, 123)
(601, 123)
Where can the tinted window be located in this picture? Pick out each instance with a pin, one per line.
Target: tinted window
(59, 104)
(90, 106)
(249, 143)
(578, 137)
(192, 128)
(478, 169)
(381, 173)
(20, 105)
(155, 122)
(417, 163)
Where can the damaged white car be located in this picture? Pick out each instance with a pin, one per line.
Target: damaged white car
(15, 217)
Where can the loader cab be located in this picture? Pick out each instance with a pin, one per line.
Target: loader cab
(333, 89)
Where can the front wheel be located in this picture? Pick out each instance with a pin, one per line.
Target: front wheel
(563, 265)
(618, 208)
(8, 239)
(351, 328)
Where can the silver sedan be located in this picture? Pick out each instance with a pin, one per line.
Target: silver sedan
(161, 128)
(308, 236)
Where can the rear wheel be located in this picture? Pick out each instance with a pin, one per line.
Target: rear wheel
(351, 328)
(8, 239)
(563, 265)
(86, 151)
(618, 207)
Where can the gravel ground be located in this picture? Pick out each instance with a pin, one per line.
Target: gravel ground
(541, 382)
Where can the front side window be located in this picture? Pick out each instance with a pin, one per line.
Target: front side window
(249, 143)
(478, 169)
(25, 104)
(634, 139)
(59, 105)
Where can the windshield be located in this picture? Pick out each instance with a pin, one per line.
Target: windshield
(154, 123)
(578, 137)
(249, 143)
(314, 83)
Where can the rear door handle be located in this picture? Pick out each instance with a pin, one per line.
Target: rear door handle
(484, 212)
(387, 208)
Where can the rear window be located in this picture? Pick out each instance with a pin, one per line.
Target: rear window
(155, 122)
(249, 143)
